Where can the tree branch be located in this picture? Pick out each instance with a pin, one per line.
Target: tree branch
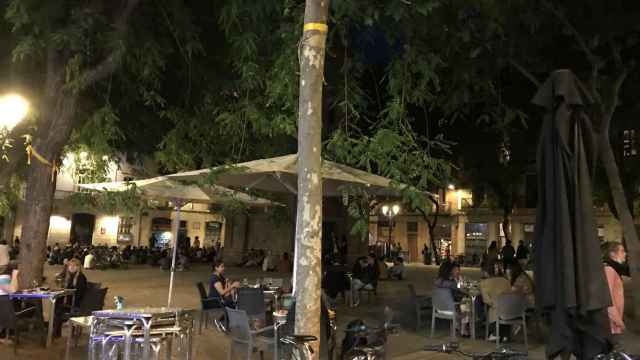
(612, 104)
(526, 73)
(112, 61)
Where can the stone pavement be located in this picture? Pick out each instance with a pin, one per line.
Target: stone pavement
(148, 286)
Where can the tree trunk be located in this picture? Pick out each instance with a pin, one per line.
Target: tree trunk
(436, 254)
(54, 130)
(625, 217)
(309, 210)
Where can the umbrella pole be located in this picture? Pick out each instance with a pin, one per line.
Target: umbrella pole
(175, 250)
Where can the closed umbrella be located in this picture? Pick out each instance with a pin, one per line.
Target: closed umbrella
(179, 194)
(570, 285)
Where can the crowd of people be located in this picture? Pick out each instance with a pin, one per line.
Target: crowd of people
(265, 260)
(104, 257)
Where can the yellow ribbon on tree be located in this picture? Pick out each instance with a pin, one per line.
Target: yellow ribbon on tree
(31, 151)
(316, 26)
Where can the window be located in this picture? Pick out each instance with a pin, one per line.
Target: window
(124, 229)
(412, 227)
(629, 143)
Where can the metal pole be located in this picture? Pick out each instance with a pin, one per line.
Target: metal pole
(175, 250)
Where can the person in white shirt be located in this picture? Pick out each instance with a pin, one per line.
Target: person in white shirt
(89, 261)
(4, 254)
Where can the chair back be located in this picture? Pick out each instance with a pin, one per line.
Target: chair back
(412, 292)
(93, 300)
(442, 299)
(252, 302)
(510, 306)
(239, 329)
(202, 290)
(7, 313)
(94, 285)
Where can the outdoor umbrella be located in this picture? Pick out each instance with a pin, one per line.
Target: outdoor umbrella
(179, 194)
(570, 284)
(279, 174)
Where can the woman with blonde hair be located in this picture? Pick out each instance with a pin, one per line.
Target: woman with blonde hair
(73, 279)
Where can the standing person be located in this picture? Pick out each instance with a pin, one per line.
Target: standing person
(4, 255)
(426, 259)
(614, 269)
(522, 254)
(508, 254)
(490, 259)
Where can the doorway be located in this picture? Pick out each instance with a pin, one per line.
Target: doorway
(82, 229)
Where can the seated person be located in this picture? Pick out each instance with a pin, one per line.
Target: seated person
(521, 283)
(366, 276)
(9, 280)
(490, 289)
(267, 263)
(285, 265)
(220, 288)
(397, 270)
(89, 261)
(448, 277)
(74, 279)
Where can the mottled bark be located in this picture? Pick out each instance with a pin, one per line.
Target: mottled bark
(53, 130)
(309, 211)
(40, 187)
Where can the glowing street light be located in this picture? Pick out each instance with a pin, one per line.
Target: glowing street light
(390, 212)
(13, 108)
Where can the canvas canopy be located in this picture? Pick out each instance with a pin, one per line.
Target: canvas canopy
(279, 174)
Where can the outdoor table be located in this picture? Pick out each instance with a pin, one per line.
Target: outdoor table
(472, 291)
(279, 319)
(76, 323)
(147, 316)
(52, 296)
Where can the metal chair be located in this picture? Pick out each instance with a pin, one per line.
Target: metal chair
(244, 338)
(421, 304)
(252, 301)
(208, 306)
(511, 310)
(444, 307)
(12, 320)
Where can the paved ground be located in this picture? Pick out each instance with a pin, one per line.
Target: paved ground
(146, 286)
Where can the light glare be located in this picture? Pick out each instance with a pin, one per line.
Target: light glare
(13, 108)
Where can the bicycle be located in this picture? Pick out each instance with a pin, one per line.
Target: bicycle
(300, 347)
(454, 348)
(363, 342)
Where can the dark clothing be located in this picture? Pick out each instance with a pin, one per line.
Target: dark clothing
(80, 286)
(508, 253)
(213, 292)
(522, 252)
(368, 275)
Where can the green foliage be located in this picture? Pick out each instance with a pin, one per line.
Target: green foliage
(9, 196)
(128, 202)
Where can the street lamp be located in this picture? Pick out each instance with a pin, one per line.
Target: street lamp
(390, 212)
(13, 108)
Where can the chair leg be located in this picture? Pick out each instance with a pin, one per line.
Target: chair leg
(498, 333)
(418, 320)
(202, 312)
(453, 327)
(524, 332)
(433, 321)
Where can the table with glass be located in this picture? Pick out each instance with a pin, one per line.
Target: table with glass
(472, 290)
(52, 296)
(129, 318)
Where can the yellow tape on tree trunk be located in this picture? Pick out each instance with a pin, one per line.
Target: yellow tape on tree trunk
(316, 26)
(32, 152)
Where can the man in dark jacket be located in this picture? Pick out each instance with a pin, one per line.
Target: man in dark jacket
(508, 254)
